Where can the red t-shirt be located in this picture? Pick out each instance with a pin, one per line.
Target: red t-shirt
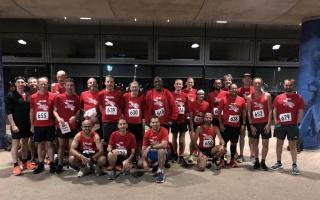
(181, 100)
(89, 100)
(87, 145)
(192, 94)
(133, 108)
(232, 110)
(206, 137)
(67, 106)
(151, 137)
(198, 111)
(57, 89)
(42, 106)
(161, 104)
(123, 143)
(244, 92)
(287, 106)
(214, 98)
(259, 109)
(111, 103)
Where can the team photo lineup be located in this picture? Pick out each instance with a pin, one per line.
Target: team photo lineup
(114, 132)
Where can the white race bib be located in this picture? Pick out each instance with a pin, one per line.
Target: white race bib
(285, 117)
(134, 112)
(111, 110)
(257, 114)
(233, 118)
(160, 112)
(64, 127)
(208, 142)
(198, 119)
(181, 110)
(215, 111)
(42, 115)
(122, 152)
(91, 112)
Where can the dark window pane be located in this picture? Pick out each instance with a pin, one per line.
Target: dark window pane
(30, 47)
(73, 48)
(230, 51)
(169, 50)
(128, 49)
(285, 53)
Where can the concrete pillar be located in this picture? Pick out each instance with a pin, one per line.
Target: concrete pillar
(309, 82)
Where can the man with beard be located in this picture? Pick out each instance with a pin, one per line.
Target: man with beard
(288, 109)
(234, 109)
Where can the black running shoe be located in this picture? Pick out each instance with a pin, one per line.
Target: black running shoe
(256, 165)
(39, 168)
(59, 169)
(264, 166)
(52, 168)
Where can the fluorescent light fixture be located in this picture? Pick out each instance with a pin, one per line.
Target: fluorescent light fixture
(23, 42)
(195, 45)
(221, 21)
(109, 44)
(276, 47)
(109, 68)
(85, 18)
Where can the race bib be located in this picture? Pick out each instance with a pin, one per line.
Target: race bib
(181, 110)
(215, 111)
(42, 115)
(64, 127)
(111, 110)
(160, 112)
(233, 118)
(88, 152)
(207, 143)
(257, 114)
(134, 112)
(285, 117)
(91, 112)
(198, 119)
(122, 152)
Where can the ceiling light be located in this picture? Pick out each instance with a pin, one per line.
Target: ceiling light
(168, 20)
(221, 22)
(23, 42)
(109, 44)
(276, 47)
(109, 68)
(135, 19)
(195, 45)
(85, 18)
(135, 65)
(65, 18)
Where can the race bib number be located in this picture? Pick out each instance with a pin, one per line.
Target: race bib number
(198, 119)
(41, 116)
(233, 118)
(160, 112)
(88, 152)
(257, 114)
(111, 110)
(122, 152)
(91, 112)
(181, 110)
(285, 117)
(207, 143)
(134, 112)
(64, 127)
(215, 111)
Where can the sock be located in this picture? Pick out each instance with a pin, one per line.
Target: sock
(294, 164)
(279, 161)
(233, 150)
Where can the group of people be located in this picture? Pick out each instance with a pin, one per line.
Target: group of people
(119, 130)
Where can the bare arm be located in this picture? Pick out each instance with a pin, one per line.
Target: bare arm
(218, 133)
(74, 146)
(195, 138)
(99, 147)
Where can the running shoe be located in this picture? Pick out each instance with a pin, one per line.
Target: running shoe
(295, 170)
(277, 166)
(233, 164)
(264, 166)
(97, 170)
(28, 165)
(256, 165)
(240, 159)
(59, 169)
(82, 172)
(160, 178)
(39, 169)
(113, 175)
(17, 171)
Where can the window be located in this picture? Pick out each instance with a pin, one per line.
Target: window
(279, 51)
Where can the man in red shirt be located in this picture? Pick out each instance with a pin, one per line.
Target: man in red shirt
(134, 114)
(121, 148)
(234, 110)
(86, 150)
(42, 123)
(160, 102)
(66, 109)
(189, 90)
(110, 104)
(179, 127)
(214, 98)
(89, 103)
(204, 142)
(244, 92)
(60, 86)
(155, 148)
(259, 118)
(288, 109)
(197, 110)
